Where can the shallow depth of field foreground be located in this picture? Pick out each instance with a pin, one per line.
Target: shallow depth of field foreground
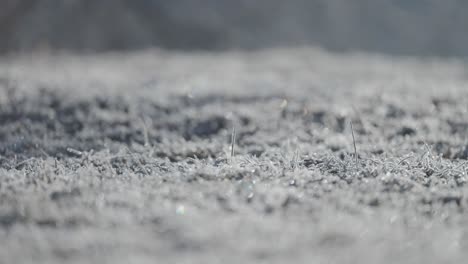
(126, 158)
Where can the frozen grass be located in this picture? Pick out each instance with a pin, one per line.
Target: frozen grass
(149, 166)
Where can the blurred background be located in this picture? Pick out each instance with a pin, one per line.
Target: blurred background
(397, 27)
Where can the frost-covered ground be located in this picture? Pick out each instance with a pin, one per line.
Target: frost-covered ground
(125, 158)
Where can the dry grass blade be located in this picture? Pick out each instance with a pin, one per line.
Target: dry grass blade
(145, 132)
(233, 142)
(354, 144)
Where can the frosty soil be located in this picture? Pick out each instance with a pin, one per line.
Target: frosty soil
(121, 157)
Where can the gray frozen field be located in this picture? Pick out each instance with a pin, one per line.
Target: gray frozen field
(125, 158)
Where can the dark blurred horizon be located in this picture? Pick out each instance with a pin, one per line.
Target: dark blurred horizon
(396, 27)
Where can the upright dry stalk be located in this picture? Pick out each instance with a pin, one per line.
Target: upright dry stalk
(354, 143)
(233, 141)
(145, 132)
